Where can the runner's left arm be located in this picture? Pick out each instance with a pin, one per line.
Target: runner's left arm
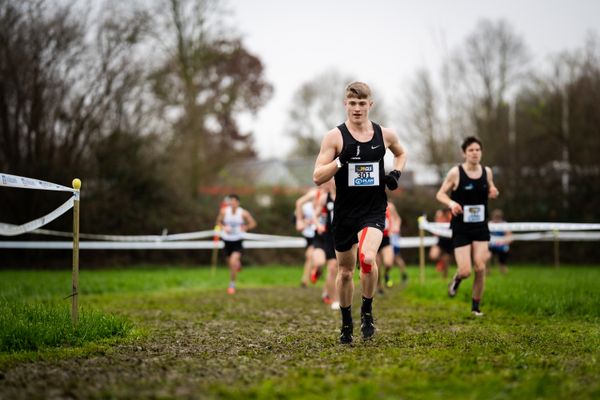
(250, 222)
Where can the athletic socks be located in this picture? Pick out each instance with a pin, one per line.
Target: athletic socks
(346, 315)
(453, 286)
(366, 306)
(367, 327)
(475, 304)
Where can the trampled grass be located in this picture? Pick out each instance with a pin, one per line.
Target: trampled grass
(540, 338)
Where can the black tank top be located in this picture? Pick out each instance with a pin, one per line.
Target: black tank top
(472, 195)
(359, 183)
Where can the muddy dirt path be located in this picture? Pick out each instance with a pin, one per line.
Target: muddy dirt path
(196, 342)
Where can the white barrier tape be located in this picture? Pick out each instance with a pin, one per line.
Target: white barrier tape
(29, 183)
(191, 235)
(160, 238)
(442, 228)
(14, 230)
(438, 231)
(184, 245)
(131, 238)
(411, 242)
(295, 243)
(260, 236)
(546, 236)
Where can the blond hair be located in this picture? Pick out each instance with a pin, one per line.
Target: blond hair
(358, 90)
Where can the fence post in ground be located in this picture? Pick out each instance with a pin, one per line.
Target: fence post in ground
(75, 276)
(556, 249)
(215, 249)
(421, 250)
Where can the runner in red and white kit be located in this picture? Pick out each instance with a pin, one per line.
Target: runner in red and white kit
(304, 215)
(324, 252)
(353, 153)
(385, 253)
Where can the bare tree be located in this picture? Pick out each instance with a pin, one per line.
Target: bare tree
(61, 89)
(489, 65)
(205, 79)
(427, 126)
(472, 100)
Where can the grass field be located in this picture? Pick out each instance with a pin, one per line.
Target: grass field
(184, 337)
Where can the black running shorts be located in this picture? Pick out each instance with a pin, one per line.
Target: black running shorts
(445, 244)
(232, 246)
(309, 241)
(325, 243)
(347, 229)
(502, 255)
(463, 237)
(385, 242)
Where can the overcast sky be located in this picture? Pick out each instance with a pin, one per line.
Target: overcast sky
(383, 43)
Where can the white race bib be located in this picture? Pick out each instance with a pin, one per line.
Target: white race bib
(363, 174)
(474, 213)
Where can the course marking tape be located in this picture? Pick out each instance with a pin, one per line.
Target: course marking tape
(29, 183)
(14, 230)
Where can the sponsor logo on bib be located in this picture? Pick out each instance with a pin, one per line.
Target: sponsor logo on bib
(363, 174)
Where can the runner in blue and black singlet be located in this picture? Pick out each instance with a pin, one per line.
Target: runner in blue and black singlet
(353, 153)
(472, 195)
(470, 185)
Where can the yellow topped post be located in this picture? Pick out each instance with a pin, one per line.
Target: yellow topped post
(75, 280)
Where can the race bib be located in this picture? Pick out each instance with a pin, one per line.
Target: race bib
(363, 174)
(474, 213)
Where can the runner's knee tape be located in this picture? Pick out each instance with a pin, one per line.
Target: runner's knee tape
(364, 267)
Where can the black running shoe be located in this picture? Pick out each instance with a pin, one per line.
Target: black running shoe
(366, 325)
(453, 286)
(346, 334)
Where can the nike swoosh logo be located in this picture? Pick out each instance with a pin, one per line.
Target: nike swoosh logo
(374, 147)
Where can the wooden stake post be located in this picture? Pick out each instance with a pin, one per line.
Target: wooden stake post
(215, 250)
(421, 251)
(556, 250)
(75, 281)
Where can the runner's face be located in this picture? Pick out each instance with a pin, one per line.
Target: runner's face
(357, 110)
(473, 153)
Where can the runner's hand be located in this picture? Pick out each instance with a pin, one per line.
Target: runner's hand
(391, 179)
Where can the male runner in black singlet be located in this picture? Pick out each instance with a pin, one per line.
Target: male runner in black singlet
(353, 154)
(471, 184)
